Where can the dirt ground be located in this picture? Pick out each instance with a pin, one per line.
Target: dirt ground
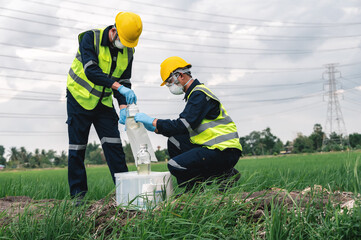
(10, 207)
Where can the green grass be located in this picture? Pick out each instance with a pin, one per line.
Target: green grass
(53, 183)
(202, 215)
(331, 170)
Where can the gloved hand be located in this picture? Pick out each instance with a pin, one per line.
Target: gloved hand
(146, 120)
(128, 94)
(122, 116)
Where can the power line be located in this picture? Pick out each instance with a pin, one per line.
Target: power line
(36, 48)
(224, 16)
(351, 109)
(266, 85)
(276, 113)
(26, 91)
(195, 51)
(162, 32)
(30, 78)
(33, 71)
(285, 51)
(30, 116)
(274, 51)
(232, 23)
(26, 133)
(208, 30)
(182, 18)
(35, 59)
(176, 100)
(349, 79)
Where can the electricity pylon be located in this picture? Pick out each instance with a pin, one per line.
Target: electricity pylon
(335, 128)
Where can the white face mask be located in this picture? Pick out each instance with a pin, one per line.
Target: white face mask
(176, 88)
(118, 44)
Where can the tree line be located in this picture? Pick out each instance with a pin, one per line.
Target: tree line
(256, 143)
(265, 143)
(21, 158)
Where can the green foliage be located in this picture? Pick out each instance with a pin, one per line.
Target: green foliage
(162, 155)
(93, 154)
(21, 158)
(61, 160)
(355, 140)
(2, 158)
(200, 215)
(53, 183)
(261, 143)
(317, 137)
(129, 158)
(302, 144)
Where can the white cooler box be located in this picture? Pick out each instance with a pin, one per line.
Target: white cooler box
(142, 191)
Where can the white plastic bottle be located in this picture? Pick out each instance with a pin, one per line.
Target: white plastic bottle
(131, 110)
(137, 134)
(143, 160)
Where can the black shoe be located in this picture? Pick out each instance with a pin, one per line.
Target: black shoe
(79, 201)
(234, 175)
(229, 179)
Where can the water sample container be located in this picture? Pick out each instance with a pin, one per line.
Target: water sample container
(131, 110)
(136, 191)
(137, 134)
(143, 160)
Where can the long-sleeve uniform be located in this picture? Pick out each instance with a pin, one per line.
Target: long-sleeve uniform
(104, 118)
(188, 160)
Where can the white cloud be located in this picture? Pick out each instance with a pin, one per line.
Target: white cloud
(233, 28)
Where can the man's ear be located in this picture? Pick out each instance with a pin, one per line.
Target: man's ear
(112, 31)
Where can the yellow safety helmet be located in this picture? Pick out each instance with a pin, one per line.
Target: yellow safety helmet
(129, 27)
(170, 65)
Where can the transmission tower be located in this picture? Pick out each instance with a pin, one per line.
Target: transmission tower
(335, 129)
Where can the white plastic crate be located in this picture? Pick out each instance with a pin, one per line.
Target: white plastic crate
(141, 191)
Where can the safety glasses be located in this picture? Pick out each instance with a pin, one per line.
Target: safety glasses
(172, 79)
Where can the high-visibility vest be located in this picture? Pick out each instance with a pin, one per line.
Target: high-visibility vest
(219, 133)
(85, 92)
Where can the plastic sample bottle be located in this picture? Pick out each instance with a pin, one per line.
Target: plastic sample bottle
(132, 109)
(143, 160)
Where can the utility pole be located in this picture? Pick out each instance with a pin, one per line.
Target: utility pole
(335, 128)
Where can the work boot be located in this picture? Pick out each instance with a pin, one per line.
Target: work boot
(79, 201)
(228, 179)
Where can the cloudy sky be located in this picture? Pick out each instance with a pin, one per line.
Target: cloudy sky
(265, 60)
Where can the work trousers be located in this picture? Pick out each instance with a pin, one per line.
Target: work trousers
(191, 162)
(105, 121)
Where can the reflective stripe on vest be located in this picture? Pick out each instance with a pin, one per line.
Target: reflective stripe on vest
(86, 93)
(220, 133)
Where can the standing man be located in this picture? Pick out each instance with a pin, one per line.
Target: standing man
(102, 67)
(203, 142)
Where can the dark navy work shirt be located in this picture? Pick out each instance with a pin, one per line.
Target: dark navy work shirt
(198, 107)
(94, 73)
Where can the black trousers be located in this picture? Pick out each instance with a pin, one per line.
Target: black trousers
(105, 121)
(190, 161)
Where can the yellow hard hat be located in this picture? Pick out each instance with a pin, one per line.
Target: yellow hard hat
(129, 27)
(169, 65)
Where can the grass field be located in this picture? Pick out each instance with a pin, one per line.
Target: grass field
(206, 215)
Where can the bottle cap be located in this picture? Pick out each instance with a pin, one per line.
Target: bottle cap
(132, 109)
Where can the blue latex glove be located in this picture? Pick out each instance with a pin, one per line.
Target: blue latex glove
(128, 94)
(122, 116)
(146, 120)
